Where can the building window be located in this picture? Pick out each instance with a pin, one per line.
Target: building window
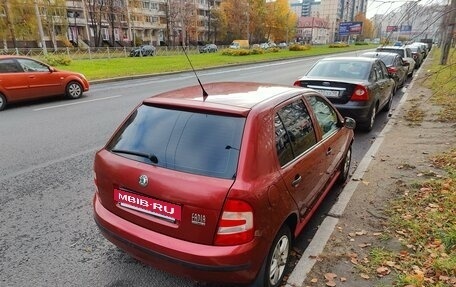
(153, 6)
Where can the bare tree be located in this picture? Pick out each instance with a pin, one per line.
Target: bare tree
(6, 23)
(54, 14)
(189, 20)
(95, 10)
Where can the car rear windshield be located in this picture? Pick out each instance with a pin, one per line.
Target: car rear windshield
(193, 142)
(397, 51)
(388, 60)
(341, 69)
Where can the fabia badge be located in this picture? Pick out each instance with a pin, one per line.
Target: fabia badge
(143, 180)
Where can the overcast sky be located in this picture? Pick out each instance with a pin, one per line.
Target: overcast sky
(386, 6)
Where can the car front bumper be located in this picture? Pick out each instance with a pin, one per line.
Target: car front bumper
(222, 264)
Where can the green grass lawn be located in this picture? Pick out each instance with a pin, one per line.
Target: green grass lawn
(96, 69)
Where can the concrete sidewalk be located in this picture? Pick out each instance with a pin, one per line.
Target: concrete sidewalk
(356, 220)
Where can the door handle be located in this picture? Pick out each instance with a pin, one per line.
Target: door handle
(296, 181)
(329, 151)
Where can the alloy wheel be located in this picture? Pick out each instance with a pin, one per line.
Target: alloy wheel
(279, 260)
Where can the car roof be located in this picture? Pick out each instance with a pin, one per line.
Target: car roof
(392, 47)
(14, 57)
(379, 54)
(354, 58)
(232, 97)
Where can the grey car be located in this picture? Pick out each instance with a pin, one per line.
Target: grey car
(359, 87)
(143, 50)
(209, 48)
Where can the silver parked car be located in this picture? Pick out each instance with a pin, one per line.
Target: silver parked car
(143, 50)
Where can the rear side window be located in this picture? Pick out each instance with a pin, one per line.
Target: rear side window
(294, 131)
(9, 66)
(197, 143)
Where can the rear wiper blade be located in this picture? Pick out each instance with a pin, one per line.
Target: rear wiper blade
(153, 158)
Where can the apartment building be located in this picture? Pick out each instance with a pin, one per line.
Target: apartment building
(337, 11)
(95, 23)
(410, 21)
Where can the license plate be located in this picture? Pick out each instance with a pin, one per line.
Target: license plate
(148, 205)
(329, 93)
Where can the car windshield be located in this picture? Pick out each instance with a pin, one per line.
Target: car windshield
(341, 69)
(198, 143)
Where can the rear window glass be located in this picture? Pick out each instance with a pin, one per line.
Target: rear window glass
(388, 60)
(341, 69)
(197, 143)
(397, 51)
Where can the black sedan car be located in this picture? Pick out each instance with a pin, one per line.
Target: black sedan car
(395, 65)
(359, 87)
(417, 54)
(143, 50)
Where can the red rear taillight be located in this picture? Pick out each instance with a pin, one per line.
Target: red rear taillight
(392, 70)
(360, 94)
(236, 224)
(297, 83)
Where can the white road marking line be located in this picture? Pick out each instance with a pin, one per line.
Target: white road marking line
(76, 103)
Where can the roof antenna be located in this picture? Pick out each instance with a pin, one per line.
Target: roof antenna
(201, 85)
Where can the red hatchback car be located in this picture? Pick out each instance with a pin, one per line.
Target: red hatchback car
(23, 78)
(216, 188)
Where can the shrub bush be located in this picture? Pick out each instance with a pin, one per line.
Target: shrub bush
(298, 47)
(57, 60)
(235, 52)
(339, 45)
(361, 43)
(274, 50)
(257, 51)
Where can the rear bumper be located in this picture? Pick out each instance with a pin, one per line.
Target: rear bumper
(223, 264)
(359, 112)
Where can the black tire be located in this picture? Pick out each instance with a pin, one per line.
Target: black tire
(278, 258)
(411, 74)
(367, 126)
(345, 167)
(2, 102)
(73, 90)
(389, 104)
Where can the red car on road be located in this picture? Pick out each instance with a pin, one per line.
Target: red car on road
(216, 186)
(23, 78)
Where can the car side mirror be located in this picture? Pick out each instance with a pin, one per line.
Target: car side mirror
(349, 123)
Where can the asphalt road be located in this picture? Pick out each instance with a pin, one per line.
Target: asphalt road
(47, 233)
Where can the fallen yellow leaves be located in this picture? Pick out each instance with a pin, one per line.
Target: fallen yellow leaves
(330, 279)
(382, 271)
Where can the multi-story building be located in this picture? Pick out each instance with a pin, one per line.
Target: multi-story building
(313, 30)
(121, 23)
(337, 11)
(410, 22)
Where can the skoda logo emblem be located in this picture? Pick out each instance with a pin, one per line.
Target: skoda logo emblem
(143, 180)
